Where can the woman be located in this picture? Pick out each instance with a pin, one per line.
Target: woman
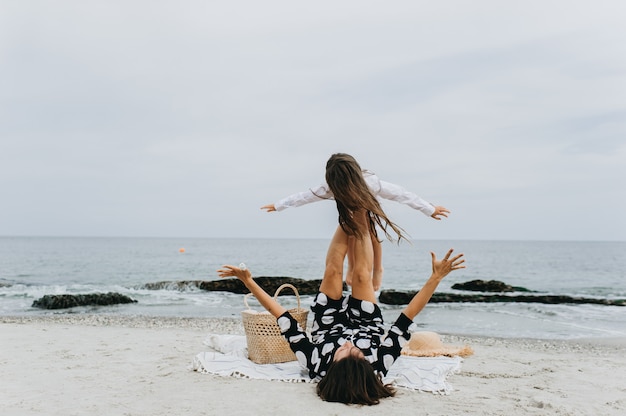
(354, 188)
(349, 350)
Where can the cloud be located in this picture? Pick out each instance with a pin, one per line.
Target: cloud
(155, 118)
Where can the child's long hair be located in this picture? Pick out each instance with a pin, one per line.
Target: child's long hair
(352, 380)
(345, 179)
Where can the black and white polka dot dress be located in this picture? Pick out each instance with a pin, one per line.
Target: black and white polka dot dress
(338, 321)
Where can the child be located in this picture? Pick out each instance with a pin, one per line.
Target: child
(341, 171)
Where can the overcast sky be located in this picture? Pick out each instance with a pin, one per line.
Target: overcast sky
(183, 118)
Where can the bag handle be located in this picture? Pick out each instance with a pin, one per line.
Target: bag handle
(283, 286)
(290, 286)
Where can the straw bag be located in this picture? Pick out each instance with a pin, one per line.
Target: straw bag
(266, 345)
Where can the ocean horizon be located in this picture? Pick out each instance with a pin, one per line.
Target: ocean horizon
(31, 267)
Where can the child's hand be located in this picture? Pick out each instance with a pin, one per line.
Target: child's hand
(269, 208)
(440, 212)
(234, 271)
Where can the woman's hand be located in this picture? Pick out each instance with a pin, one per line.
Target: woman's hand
(243, 274)
(271, 208)
(442, 267)
(234, 271)
(440, 212)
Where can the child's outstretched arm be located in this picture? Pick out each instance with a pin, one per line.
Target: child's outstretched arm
(441, 268)
(397, 193)
(268, 302)
(318, 193)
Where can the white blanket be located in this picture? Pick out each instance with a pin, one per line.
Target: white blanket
(228, 357)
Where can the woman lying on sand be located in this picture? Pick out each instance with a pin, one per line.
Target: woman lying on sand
(349, 349)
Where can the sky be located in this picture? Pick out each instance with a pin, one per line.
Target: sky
(181, 119)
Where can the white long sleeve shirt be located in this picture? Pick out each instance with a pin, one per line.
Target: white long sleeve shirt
(381, 189)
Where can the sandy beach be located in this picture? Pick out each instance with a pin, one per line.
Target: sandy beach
(112, 365)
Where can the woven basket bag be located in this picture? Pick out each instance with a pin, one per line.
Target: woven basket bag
(266, 345)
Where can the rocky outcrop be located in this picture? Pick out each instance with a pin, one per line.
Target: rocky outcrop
(70, 301)
(269, 283)
(390, 297)
(393, 297)
(488, 286)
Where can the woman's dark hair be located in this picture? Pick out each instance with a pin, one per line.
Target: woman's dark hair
(345, 179)
(352, 380)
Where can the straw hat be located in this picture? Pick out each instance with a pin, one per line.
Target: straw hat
(428, 344)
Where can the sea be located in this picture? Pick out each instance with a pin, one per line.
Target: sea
(31, 267)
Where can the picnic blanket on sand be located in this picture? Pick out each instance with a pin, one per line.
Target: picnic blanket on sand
(228, 357)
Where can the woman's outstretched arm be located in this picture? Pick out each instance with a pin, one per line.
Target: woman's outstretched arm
(268, 302)
(441, 268)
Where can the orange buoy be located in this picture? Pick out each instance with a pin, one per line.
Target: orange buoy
(181, 250)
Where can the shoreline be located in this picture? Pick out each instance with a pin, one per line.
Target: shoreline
(233, 326)
(136, 365)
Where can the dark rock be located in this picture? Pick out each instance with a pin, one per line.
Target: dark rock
(393, 297)
(70, 301)
(488, 286)
(396, 297)
(390, 297)
(269, 283)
